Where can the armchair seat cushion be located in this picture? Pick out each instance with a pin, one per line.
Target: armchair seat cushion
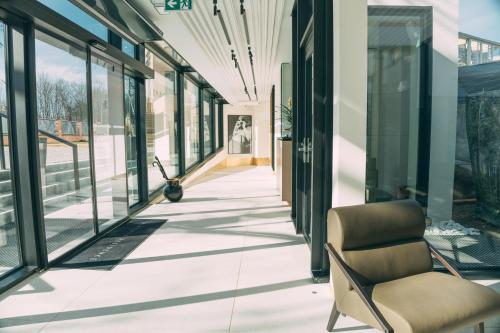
(434, 302)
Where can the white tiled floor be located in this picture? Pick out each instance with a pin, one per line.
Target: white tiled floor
(227, 260)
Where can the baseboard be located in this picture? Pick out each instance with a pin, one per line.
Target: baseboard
(261, 161)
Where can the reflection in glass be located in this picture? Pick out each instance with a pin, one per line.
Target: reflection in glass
(475, 49)
(131, 137)
(462, 52)
(216, 124)
(191, 123)
(78, 16)
(207, 126)
(161, 121)
(128, 48)
(109, 142)
(396, 54)
(9, 242)
(63, 144)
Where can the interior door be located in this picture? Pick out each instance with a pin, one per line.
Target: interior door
(305, 146)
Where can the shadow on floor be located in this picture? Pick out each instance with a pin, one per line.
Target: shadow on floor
(106, 263)
(151, 305)
(212, 211)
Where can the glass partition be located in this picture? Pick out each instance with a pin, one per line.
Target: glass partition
(207, 125)
(217, 125)
(161, 121)
(131, 139)
(191, 123)
(63, 140)
(397, 54)
(10, 256)
(109, 141)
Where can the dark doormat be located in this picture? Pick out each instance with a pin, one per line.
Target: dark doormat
(110, 250)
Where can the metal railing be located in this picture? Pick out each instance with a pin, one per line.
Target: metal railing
(43, 151)
(73, 146)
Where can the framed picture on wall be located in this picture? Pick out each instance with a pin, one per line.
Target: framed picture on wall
(240, 134)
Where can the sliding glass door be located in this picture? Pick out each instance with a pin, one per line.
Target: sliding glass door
(63, 139)
(10, 252)
(207, 125)
(191, 123)
(109, 141)
(131, 137)
(66, 157)
(162, 119)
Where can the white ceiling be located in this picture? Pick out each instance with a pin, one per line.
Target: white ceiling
(198, 36)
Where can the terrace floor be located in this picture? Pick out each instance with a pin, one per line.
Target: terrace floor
(226, 260)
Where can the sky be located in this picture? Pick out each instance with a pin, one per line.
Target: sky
(480, 18)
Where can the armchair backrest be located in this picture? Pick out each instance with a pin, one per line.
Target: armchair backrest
(380, 242)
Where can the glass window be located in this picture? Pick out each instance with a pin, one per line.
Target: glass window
(9, 240)
(207, 125)
(495, 52)
(216, 123)
(470, 235)
(191, 123)
(128, 48)
(61, 89)
(131, 139)
(220, 133)
(475, 52)
(109, 141)
(462, 52)
(78, 16)
(394, 142)
(161, 121)
(485, 53)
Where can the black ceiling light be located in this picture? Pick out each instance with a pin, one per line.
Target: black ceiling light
(243, 13)
(250, 55)
(218, 13)
(237, 66)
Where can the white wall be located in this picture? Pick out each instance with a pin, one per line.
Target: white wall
(349, 103)
(261, 135)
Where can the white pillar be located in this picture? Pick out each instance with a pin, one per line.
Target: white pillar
(350, 101)
(444, 109)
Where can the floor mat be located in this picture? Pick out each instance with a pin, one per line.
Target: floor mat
(110, 250)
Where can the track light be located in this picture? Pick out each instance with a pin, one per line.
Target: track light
(243, 13)
(237, 66)
(224, 28)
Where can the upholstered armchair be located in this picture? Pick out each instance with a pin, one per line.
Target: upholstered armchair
(382, 273)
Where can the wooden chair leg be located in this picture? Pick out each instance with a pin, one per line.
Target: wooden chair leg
(333, 318)
(479, 328)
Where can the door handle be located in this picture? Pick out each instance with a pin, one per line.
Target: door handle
(306, 149)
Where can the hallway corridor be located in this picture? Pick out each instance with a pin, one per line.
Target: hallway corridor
(226, 260)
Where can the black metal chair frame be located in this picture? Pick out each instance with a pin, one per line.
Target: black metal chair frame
(362, 290)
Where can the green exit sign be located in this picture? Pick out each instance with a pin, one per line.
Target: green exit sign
(175, 5)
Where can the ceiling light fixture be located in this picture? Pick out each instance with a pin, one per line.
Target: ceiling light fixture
(218, 13)
(237, 66)
(243, 13)
(250, 55)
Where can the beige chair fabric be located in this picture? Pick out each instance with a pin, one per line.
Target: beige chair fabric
(383, 244)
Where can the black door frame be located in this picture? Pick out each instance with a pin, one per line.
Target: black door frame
(321, 22)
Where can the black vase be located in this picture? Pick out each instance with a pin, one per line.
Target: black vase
(173, 190)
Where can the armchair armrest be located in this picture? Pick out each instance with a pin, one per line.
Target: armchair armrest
(359, 288)
(447, 264)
